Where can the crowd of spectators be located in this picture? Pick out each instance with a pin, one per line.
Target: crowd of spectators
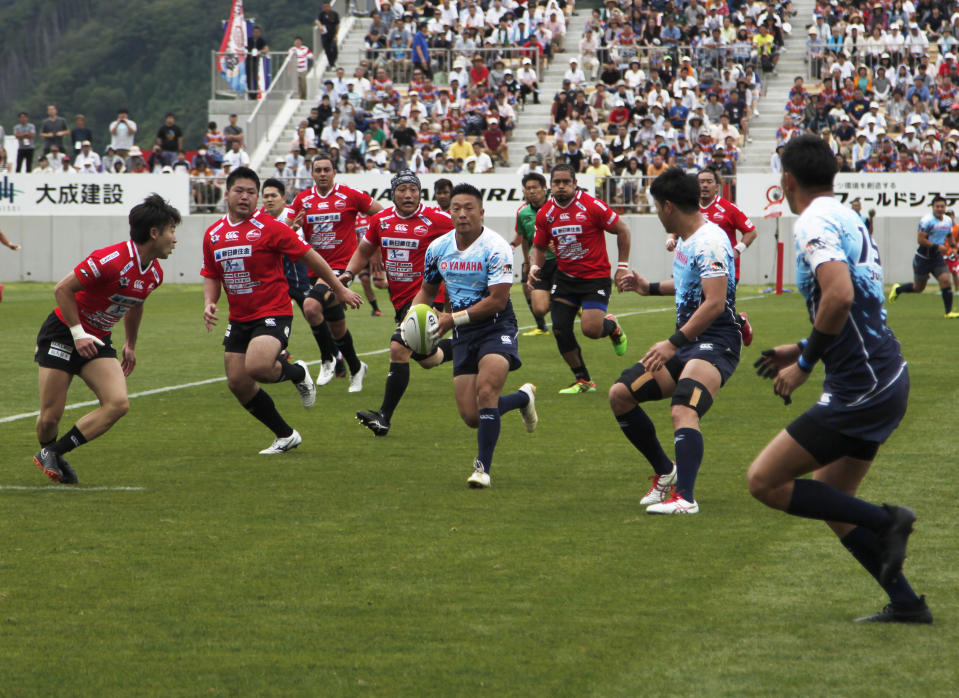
(884, 94)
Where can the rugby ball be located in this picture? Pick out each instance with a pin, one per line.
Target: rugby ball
(417, 327)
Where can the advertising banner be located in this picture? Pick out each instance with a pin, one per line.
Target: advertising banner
(62, 194)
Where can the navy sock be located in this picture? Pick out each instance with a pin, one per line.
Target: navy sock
(345, 345)
(817, 500)
(641, 432)
(396, 381)
(69, 442)
(608, 327)
(263, 408)
(906, 288)
(513, 401)
(487, 435)
(947, 299)
(324, 340)
(689, 456)
(864, 546)
(290, 372)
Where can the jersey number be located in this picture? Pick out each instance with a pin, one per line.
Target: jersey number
(869, 253)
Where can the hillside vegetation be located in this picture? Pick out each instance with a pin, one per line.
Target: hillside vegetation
(152, 56)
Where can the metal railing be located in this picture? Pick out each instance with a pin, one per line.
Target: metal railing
(282, 87)
(398, 62)
(224, 87)
(821, 58)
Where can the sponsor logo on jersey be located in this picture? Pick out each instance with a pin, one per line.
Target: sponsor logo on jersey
(214, 238)
(465, 265)
(252, 235)
(567, 230)
(682, 257)
(232, 235)
(401, 228)
(151, 287)
(315, 218)
(93, 268)
(138, 284)
(156, 275)
(814, 244)
(339, 205)
(112, 255)
(230, 252)
(258, 224)
(322, 206)
(564, 216)
(400, 242)
(123, 281)
(126, 268)
(581, 216)
(420, 230)
(233, 265)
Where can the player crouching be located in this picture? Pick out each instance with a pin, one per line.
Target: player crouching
(693, 364)
(110, 284)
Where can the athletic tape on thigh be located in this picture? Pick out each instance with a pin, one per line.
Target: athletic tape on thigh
(693, 394)
(563, 317)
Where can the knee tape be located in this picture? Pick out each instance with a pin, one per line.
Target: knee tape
(332, 308)
(563, 317)
(642, 386)
(692, 394)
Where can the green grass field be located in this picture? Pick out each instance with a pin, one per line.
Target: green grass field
(363, 566)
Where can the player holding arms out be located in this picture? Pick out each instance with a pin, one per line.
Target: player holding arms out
(327, 213)
(697, 360)
(934, 228)
(477, 266)
(403, 231)
(574, 222)
(535, 192)
(242, 253)
(75, 340)
(865, 390)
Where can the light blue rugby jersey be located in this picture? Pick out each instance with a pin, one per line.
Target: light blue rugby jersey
(707, 253)
(865, 356)
(936, 230)
(469, 273)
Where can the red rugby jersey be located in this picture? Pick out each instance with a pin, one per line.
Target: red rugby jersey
(114, 281)
(727, 216)
(404, 242)
(329, 223)
(246, 257)
(578, 234)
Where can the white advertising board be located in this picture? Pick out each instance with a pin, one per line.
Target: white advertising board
(50, 194)
(892, 195)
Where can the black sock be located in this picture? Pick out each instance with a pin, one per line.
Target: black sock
(541, 324)
(689, 456)
(529, 304)
(69, 442)
(324, 340)
(396, 381)
(447, 346)
(580, 371)
(47, 444)
(641, 432)
(345, 345)
(290, 372)
(374, 304)
(262, 407)
(609, 326)
(905, 288)
(864, 546)
(813, 499)
(947, 299)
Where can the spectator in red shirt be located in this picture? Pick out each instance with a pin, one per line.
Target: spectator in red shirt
(495, 140)
(479, 73)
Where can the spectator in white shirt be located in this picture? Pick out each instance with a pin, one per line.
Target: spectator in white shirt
(123, 132)
(483, 161)
(575, 74)
(87, 161)
(236, 156)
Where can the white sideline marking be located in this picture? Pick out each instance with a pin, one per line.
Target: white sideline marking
(70, 488)
(183, 386)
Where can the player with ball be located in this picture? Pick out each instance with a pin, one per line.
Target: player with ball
(476, 264)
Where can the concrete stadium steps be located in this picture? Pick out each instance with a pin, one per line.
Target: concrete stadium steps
(754, 157)
(349, 59)
(537, 116)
